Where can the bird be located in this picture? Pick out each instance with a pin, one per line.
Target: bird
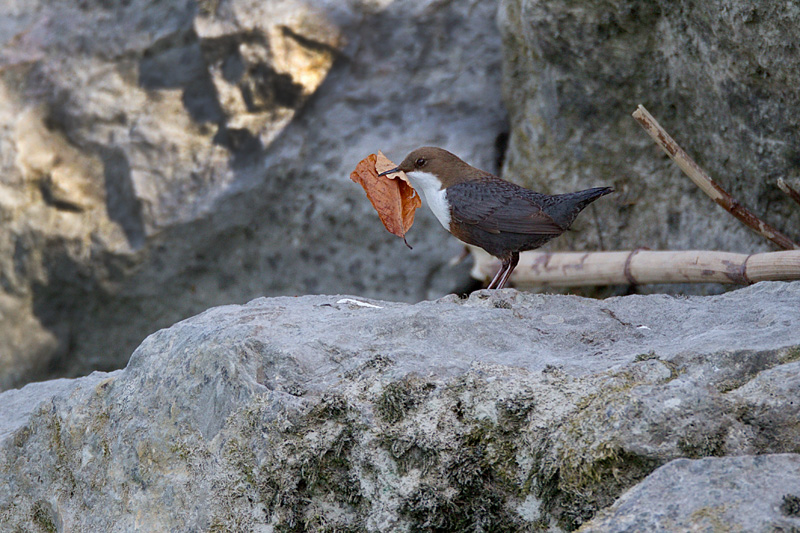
(483, 210)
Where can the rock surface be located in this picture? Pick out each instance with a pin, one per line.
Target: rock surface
(757, 494)
(160, 157)
(720, 76)
(502, 412)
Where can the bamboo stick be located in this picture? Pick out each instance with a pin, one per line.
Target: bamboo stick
(638, 267)
(708, 185)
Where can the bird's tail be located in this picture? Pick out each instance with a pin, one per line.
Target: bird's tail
(570, 204)
(584, 198)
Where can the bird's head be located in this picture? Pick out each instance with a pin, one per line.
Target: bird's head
(436, 168)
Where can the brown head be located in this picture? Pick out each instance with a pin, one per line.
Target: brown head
(446, 166)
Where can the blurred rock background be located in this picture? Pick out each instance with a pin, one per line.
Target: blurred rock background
(722, 77)
(162, 157)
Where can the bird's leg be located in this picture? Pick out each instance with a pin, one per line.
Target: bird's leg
(511, 264)
(496, 278)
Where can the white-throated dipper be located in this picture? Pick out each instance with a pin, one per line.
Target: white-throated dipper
(481, 209)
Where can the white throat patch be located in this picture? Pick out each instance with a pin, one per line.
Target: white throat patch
(435, 196)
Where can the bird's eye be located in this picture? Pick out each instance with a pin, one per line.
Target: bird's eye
(420, 162)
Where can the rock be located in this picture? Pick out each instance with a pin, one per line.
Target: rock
(161, 157)
(720, 77)
(748, 493)
(504, 411)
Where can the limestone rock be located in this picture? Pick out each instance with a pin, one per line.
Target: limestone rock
(721, 77)
(504, 411)
(161, 157)
(749, 493)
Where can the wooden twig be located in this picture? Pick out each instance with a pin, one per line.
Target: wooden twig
(638, 267)
(706, 184)
(789, 190)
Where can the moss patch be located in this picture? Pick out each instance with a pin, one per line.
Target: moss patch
(791, 355)
(699, 445)
(581, 468)
(470, 478)
(42, 516)
(469, 487)
(298, 469)
(790, 505)
(400, 397)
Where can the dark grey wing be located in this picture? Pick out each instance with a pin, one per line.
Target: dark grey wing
(497, 206)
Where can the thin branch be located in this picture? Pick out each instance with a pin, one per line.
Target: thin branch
(789, 190)
(638, 267)
(708, 186)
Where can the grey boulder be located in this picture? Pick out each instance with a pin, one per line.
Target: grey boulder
(502, 412)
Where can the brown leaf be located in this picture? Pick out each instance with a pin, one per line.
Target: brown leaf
(383, 163)
(392, 196)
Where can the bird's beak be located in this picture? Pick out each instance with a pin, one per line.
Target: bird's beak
(391, 171)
